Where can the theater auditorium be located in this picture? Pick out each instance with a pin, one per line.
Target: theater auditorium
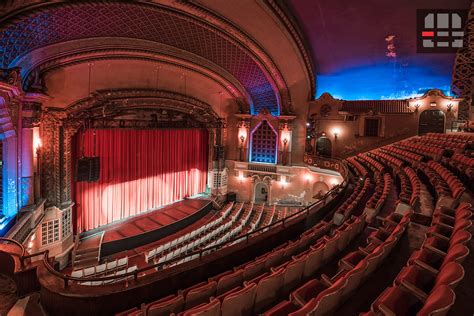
(237, 157)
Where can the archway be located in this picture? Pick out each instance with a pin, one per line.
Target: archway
(324, 146)
(319, 189)
(261, 192)
(431, 121)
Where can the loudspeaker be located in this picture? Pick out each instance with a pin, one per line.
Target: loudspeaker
(88, 169)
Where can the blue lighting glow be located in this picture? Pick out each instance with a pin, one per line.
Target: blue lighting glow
(384, 80)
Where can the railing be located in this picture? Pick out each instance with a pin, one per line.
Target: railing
(262, 168)
(327, 163)
(21, 256)
(306, 210)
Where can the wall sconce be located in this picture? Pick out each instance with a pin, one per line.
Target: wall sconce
(336, 132)
(307, 177)
(242, 138)
(416, 106)
(449, 106)
(433, 104)
(37, 144)
(241, 177)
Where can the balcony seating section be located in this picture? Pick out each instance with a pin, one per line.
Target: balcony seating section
(382, 190)
(116, 267)
(454, 184)
(411, 158)
(373, 164)
(324, 295)
(391, 161)
(426, 284)
(358, 169)
(256, 284)
(357, 199)
(426, 150)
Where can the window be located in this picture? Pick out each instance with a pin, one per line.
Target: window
(50, 232)
(264, 144)
(66, 223)
(372, 127)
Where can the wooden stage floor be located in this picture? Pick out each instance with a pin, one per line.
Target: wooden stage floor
(153, 220)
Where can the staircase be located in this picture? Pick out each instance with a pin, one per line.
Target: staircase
(87, 251)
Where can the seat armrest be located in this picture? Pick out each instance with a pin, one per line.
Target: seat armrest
(416, 291)
(326, 280)
(425, 266)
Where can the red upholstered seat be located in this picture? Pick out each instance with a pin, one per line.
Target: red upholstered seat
(254, 269)
(239, 302)
(213, 308)
(329, 249)
(268, 290)
(314, 260)
(436, 243)
(293, 274)
(439, 302)
(281, 309)
(198, 294)
(421, 282)
(396, 300)
(307, 291)
(166, 306)
(229, 281)
(433, 261)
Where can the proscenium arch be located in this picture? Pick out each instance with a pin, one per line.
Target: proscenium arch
(39, 26)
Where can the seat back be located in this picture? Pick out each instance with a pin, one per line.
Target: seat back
(373, 261)
(166, 306)
(438, 302)
(200, 294)
(268, 290)
(456, 253)
(293, 273)
(329, 299)
(213, 308)
(274, 258)
(330, 248)
(240, 302)
(354, 278)
(313, 260)
(229, 281)
(343, 239)
(451, 274)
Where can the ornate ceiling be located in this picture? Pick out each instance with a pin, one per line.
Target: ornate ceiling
(62, 22)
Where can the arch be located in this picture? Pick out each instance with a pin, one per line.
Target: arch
(261, 192)
(431, 121)
(319, 189)
(263, 143)
(324, 146)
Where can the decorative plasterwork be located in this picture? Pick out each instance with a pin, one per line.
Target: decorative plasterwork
(227, 47)
(283, 17)
(45, 59)
(110, 104)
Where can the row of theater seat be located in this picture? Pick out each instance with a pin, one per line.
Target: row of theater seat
(411, 158)
(462, 166)
(454, 184)
(251, 286)
(323, 296)
(355, 201)
(451, 137)
(453, 145)
(432, 152)
(387, 159)
(382, 190)
(357, 167)
(425, 286)
(373, 164)
(415, 184)
(107, 268)
(192, 235)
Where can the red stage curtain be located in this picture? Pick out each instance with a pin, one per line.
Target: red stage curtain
(139, 170)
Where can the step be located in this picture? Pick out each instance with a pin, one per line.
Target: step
(87, 250)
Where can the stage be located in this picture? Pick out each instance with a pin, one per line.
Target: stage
(151, 226)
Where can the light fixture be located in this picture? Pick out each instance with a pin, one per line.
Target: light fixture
(449, 106)
(433, 104)
(285, 141)
(308, 124)
(336, 132)
(307, 177)
(242, 138)
(37, 144)
(416, 106)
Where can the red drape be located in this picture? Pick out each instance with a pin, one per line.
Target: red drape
(139, 170)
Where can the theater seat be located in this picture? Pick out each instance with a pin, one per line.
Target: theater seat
(421, 282)
(165, 306)
(314, 260)
(254, 269)
(307, 291)
(281, 309)
(213, 308)
(229, 281)
(442, 245)
(293, 274)
(198, 294)
(433, 261)
(239, 302)
(268, 290)
(439, 302)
